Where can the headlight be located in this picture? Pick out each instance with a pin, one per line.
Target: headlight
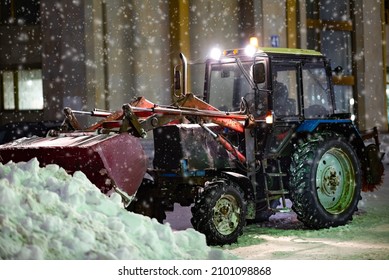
(216, 53)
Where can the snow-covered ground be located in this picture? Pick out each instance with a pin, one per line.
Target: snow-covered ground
(47, 214)
(364, 238)
(284, 237)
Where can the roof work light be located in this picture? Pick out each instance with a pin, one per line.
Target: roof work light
(252, 47)
(216, 53)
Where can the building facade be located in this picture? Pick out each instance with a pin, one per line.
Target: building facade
(89, 54)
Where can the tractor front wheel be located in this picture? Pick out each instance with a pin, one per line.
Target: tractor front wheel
(220, 212)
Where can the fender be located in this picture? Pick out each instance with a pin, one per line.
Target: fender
(344, 127)
(312, 125)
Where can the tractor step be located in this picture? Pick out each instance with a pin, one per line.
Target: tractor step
(277, 192)
(276, 174)
(282, 210)
(281, 191)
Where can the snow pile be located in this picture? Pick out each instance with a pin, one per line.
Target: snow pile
(47, 214)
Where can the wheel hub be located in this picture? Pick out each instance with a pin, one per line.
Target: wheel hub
(224, 210)
(334, 181)
(226, 214)
(331, 181)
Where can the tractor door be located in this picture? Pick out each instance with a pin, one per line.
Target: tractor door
(285, 102)
(318, 99)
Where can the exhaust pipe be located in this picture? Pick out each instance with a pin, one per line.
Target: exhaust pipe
(184, 74)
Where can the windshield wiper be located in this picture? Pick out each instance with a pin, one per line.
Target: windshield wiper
(245, 74)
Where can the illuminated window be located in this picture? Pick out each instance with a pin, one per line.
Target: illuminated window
(22, 90)
(8, 90)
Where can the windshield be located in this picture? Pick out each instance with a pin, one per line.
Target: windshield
(227, 86)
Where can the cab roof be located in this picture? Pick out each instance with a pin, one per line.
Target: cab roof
(273, 51)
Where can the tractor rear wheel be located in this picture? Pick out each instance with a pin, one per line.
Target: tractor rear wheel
(325, 182)
(219, 212)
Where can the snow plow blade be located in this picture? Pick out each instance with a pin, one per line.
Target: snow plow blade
(107, 160)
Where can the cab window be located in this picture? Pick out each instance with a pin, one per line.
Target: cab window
(317, 99)
(285, 90)
(227, 85)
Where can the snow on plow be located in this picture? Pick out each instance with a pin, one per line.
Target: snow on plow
(109, 161)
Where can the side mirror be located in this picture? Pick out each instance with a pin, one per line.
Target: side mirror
(177, 80)
(259, 73)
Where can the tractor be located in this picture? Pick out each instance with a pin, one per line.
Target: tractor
(265, 129)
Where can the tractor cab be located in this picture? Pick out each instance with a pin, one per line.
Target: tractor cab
(281, 88)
